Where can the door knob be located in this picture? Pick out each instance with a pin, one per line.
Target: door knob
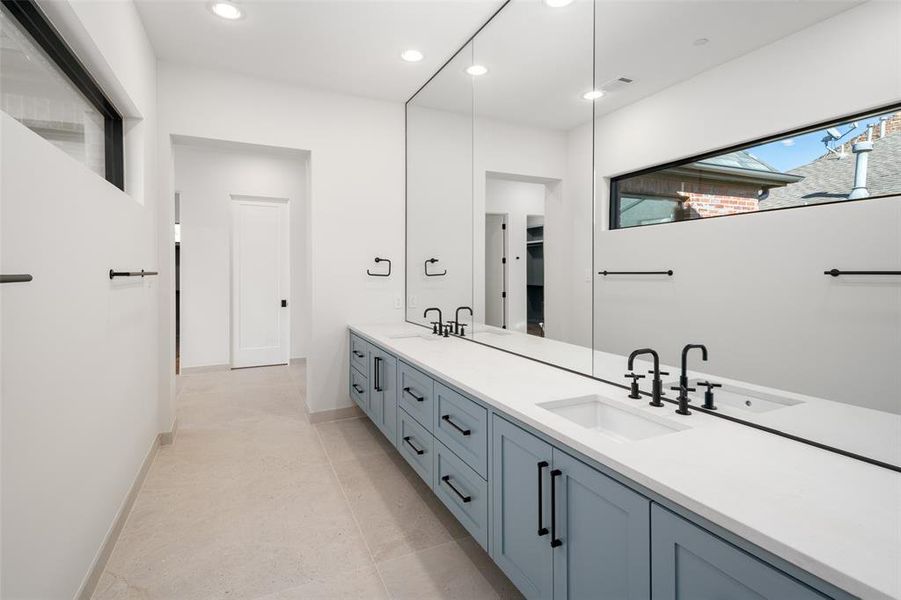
(284, 303)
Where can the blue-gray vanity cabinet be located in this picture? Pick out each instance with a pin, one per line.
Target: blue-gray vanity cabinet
(692, 564)
(519, 494)
(463, 492)
(604, 532)
(383, 392)
(416, 445)
(359, 354)
(462, 425)
(416, 394)
(359, 389)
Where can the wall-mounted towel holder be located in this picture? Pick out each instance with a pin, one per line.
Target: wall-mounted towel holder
(426, 267)
(142, 273)
(836, 272)
(377, 261)
(16, 278)
(668, 273)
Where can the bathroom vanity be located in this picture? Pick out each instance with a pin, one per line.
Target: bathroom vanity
(577, 491)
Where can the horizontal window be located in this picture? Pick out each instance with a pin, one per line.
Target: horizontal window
(847, 160)
(46, 88)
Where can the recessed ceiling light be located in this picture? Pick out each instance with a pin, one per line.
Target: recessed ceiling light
(700, 41)
(226, 10)
(593, 94)
(411, 55)
(477, 70)
(557, 3)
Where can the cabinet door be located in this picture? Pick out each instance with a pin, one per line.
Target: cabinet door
(692, 564)
(604, 533)
(519, 492)
(383, 392)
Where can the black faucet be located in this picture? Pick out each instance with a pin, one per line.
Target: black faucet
(435, 328)
(457, 318)
(633, 391)
(657, 385)
(683, 379)
(683, 399)
(708, 395)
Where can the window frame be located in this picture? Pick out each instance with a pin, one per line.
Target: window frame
(32, 19)
(614, 200)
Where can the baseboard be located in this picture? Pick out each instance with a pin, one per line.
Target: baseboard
(167, 437)
(335, 414)
(112, 536)
(204, 369)
(295, 361)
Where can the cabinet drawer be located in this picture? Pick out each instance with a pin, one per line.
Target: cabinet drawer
(416, 445)
(462, 425)
(416, 394)
(463, 492)
(359, 389)
(359, 354)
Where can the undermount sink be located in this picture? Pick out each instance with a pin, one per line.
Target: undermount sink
(414, 334)
(613, 421)
(743, 399)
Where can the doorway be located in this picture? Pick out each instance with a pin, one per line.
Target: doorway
(260, 282)
(496, 270)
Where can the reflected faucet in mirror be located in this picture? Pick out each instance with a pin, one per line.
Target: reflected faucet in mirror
(657, 385)
(458, 328)
(436, 325)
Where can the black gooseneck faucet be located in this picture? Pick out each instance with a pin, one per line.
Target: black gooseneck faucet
(457, 318)
(683, 378)
(657, 385)
(436, 329)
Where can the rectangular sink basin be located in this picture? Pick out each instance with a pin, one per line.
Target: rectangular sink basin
(614, 421)
(424, 335)
(741, 399)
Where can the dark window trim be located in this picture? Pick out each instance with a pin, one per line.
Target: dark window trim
(45, 35)
(614, 181)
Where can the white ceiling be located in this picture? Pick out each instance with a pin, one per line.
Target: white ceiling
(349, 46)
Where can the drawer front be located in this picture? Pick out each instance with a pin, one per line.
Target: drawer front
(359, 354)
(416, 394)
(359, 389)
(416, 445)
(463, 492)
(462, 425)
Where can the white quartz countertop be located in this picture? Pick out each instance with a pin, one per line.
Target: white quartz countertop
(835, 517)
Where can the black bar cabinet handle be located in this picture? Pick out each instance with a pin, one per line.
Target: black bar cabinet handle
(377, 261)
(358, 354)
(16, 278)
(542, 530)
(454, 425)
(667, 272)
(447, 480)
(415, 449)
(358, 388)
(836, 272)
(555, 543)
(412, 395)
(142, 273)
(376, 366)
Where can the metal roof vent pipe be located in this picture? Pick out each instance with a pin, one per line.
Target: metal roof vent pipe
(861, 150)
(882, 121)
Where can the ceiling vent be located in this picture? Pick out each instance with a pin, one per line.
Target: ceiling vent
(615, 84)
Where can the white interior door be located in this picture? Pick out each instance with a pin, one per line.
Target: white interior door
(495, 270)
(260, 283)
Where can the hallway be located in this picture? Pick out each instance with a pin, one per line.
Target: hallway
(252, 502)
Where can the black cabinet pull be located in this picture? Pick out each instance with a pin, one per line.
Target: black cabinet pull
(376, 365)
(542, 530)
(463, 497)
(554, 541)
(412, 395)
(358, 354)
(418, 451)
(358, 388)
(454, 425)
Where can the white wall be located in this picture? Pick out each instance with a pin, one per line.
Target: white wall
(206, 177)
(356, 195)
(517, 200)
(752, 286)
(80, 404)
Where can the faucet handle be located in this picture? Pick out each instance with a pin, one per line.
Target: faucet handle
(651, 371)
(634, 376)
(709, 385)
(679, 388)
(435, 326)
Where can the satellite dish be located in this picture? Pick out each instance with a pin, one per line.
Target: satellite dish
(834, 133)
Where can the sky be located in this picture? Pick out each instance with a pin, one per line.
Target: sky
(789, 153)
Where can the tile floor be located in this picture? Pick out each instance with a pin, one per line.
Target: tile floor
(253, 502)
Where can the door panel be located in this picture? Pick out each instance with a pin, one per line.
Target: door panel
(516, 544)
(495, 270)
(260, 281)
(383, 392)
(604, 528)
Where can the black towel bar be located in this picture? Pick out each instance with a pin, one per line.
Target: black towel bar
(141, 273)
(377, 261)
(836, 272)
(605, 273)
(16, 278)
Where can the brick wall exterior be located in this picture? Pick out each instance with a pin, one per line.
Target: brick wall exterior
(699, 198)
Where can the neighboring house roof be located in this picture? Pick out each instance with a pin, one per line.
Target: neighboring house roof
(735, 167)
(829, 178)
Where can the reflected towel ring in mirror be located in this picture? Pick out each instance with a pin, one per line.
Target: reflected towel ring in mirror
(377, 261)
(426, 267)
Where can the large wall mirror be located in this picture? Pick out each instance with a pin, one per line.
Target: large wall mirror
(694, 185)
